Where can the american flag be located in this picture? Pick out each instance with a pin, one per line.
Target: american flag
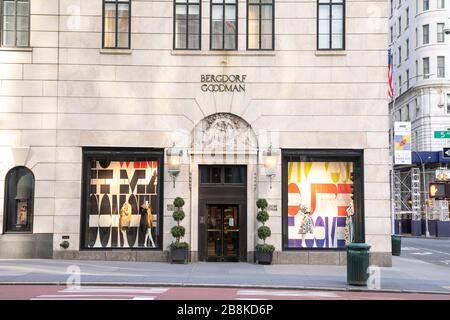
(391, 84)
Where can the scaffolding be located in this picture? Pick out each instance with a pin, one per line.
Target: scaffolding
(411, 198)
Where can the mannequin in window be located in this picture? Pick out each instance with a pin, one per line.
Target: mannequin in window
(146, 223)
(306, 224)
(124, 221)
(349, 233)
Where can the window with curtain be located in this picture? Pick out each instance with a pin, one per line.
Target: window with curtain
(116, 24)
(426, 67)
(19, 194)
(260, 24)
(187, 24)
(440, 32)
(441, 4)
(15, 23)
(426, 5)
(426, 34)
(223, 25)
(441, 67)
(331, 25)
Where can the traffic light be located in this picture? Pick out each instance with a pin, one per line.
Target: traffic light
(438, 190)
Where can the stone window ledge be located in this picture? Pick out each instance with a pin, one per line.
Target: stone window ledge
(115, 51)
(331, 53)
(222, 53)
(17, 49)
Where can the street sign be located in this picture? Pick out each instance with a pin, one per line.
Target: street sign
(442, 134)
(442, 175)
(446, 153)
(402, 143)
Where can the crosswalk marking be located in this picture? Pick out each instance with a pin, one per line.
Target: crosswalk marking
(114, 290)
(410, 249)
(103, 293)
(287, 293)
(422, 253)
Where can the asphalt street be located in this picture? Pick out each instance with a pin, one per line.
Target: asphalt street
(434, 251)
(423, 267)
(38, 292)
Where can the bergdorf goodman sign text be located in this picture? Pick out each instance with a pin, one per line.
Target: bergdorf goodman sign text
(223, 83)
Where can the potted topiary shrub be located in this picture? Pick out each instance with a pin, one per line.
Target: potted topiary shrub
(178, 250)
(264, 251)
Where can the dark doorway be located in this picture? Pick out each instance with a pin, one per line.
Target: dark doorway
(223, 213)
(223, 233)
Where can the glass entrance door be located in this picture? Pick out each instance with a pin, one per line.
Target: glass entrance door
(223, 233)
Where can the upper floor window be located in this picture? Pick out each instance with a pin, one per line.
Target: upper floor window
(416, 104)
(19, 194)
(260, 25)
(392, 34)
(407, 118)
(224, 28)
(15, 23)
(426, 67)
(399, 26)
(426, 34)
(392, 7)
(116, 24)
(407, 79)
(407, 48)
(400, 84)
(187, 24)
(441, 4)
(448, 103)
(426, 5)
(407, 17)
(417, 38)
(441, 67)
(331, 25)
(440, 32)
(399, 55)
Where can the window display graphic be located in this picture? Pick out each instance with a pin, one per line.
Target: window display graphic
(123, 200)
(319, 202)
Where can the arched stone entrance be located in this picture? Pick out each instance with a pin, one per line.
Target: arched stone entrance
(223, 166)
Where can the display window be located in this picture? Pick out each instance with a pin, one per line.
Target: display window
(322, 197)
(123, 199)
(19, 196)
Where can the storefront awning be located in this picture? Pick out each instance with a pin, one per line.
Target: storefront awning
(428, 157)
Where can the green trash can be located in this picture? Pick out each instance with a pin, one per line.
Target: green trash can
(357, 263)
(396, 245)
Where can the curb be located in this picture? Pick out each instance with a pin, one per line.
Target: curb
(238, 286)
(423, 237)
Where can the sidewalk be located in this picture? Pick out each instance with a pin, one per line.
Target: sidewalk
(405, 275)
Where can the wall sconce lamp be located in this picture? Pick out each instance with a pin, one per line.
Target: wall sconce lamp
(270, 163)
(174, 162)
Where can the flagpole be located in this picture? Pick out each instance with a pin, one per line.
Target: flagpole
(392, 113)
(392, 126)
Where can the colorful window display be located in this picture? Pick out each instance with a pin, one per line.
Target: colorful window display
(19, 200)
(123, 207)
(320, 205)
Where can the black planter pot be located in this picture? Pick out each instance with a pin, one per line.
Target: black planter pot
(179, 255)
(263, 257)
